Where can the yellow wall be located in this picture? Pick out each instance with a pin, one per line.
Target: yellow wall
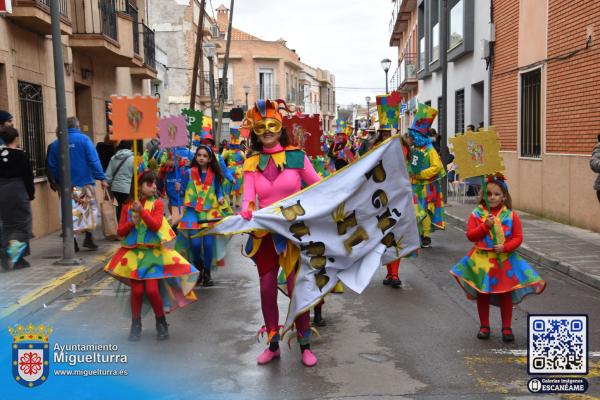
(558, 187)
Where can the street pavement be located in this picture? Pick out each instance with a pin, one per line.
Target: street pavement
(416, 342)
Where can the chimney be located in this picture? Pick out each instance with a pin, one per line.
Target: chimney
(223, 16)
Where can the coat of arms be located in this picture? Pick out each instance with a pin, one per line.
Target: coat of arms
(30, 354)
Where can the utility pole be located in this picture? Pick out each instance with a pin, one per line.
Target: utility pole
(224, 80)
(444, 106)
(68, 257)
(197, 55)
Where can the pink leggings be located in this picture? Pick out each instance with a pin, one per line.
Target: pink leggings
(267, 261)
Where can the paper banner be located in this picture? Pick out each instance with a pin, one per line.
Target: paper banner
(194, 120)
(477, 153)
(172, 132)
(133, 117)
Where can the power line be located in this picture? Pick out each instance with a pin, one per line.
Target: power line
(212, 10)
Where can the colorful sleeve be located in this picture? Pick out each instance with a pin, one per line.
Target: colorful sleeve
(125, 226)
(249, 197)
(516, 237)
(153, 219)
(476, 230)
(435, 168)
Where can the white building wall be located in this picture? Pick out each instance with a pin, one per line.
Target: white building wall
(463, 74)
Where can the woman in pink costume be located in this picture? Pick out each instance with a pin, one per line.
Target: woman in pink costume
(272, 172)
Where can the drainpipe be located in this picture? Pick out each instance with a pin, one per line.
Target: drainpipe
(490, 67)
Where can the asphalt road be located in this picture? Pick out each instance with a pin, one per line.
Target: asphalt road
(415, 342)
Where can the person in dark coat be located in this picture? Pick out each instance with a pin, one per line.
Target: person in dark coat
(595, 165)
(16, 193)
(105, 149)
(6, 119)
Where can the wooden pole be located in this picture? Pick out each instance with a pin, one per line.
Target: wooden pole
(217, 133)
(135, 171)
(197, 55)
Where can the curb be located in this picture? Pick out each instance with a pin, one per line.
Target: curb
(537, 257)
(37, 298)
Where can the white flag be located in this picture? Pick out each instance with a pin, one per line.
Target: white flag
(346, 225)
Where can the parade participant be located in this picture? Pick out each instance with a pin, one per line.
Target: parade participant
(144, 264)
(204, 204)
(234, 157)
(327, 140)
(178, 160)
(426, 172)
(497, 235)
(274, 171)
(338, 151)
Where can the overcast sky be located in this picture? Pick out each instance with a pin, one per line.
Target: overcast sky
(347, 37)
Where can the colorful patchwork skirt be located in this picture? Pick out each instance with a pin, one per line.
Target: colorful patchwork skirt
(177, 277)
(480, 272)
(429, 200)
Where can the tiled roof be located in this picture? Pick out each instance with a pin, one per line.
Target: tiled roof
(237, 34)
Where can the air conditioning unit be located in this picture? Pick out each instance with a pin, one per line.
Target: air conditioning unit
(214, 31)
(485, 49)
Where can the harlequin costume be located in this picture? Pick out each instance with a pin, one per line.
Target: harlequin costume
(482, 277)
(180, 157)
(144, 264)
(234, 157)
(273, 174)
(201, 210)
(426, 172)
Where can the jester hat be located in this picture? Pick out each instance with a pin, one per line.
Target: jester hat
(419, 130)
(234, 136)
(265, 109)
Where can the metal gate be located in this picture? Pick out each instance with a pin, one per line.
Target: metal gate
(32, 125)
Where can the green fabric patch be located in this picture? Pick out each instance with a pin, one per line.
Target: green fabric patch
(294, 159)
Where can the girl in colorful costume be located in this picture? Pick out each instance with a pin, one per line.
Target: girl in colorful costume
(235, 157)
(426, 173)
(204, 204)
(493, 272)
(274, 171)
(144, 264)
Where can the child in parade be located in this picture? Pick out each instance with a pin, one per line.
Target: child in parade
(493, 272)
(144, 264)
(204, 204)
(178, 160)
(234, 157)
(426, 171)
(274, 171)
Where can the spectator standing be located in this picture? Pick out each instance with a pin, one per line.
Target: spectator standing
(16, 193)
(106, 150)
(85, 170)
(595, 165)
(6, 120)
(120, 173)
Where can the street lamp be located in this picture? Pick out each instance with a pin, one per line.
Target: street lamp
(209, 50)
(246, 91)
(386, 63)
(368, 99)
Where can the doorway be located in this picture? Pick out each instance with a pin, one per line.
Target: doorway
(83, 109)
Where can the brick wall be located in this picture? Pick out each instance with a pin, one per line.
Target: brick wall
(504, 83)
(573, 85)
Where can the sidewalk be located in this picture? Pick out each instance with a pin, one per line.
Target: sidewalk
(570, 250)
(26, 290)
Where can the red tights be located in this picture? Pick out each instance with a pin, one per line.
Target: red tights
(483, 308)
(150, 286)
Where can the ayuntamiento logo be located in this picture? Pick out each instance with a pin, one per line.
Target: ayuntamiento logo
(30, 354)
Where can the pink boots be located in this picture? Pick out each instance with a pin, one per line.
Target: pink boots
(308, 358)
(267, 356)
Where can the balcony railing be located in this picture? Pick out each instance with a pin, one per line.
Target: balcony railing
(267, 91)
(133, 12)
(62, 5)
(149, 47)
(91, 17)
(405, 73)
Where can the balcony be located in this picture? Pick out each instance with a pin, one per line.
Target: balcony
(147, 65)
(35, 16)
(294, 97)
(404, 78)
(266, 91)
(400, 19)
(104, 30)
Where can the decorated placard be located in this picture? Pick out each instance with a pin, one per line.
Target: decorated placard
(477, 153)
(194, 120)
(388, 108)
(172, 132)
(133, 117)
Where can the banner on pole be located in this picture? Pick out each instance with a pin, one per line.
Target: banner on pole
(133, 118)
(345, 226)
(172, 132)
(477, 153)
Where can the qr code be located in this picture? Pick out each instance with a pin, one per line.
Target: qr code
(557, 344)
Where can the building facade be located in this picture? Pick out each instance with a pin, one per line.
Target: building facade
(107, 49)
(404, 35)
(176, 25)
(545, 96)
(470, 32)
(260, 69)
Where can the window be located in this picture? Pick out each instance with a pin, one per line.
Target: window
(421, 28)
(265, 84)
(456, 25)
(531, 114)
(227, 85)
(459, 112)
(32, 125)
(435, 31)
